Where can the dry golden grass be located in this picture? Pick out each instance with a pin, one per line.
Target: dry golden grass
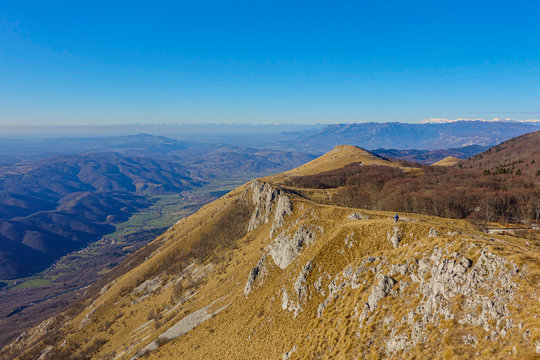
(256, 326)
(447, 161)
(340, 156)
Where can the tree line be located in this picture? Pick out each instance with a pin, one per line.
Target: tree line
(432, 190)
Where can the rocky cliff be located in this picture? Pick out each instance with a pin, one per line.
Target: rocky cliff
(266, 273)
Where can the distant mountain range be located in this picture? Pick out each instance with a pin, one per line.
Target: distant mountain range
(396, 135)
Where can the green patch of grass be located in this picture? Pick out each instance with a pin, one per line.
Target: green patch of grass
(168, 209)
(30, 283)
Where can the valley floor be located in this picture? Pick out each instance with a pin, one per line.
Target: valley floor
(28, 301)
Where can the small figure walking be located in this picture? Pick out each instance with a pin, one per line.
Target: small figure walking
(527, 242)
(396, 218)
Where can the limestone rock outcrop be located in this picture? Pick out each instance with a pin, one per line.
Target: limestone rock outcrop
(257, 272)
(271, 203)
(395, 236)
(284, 249)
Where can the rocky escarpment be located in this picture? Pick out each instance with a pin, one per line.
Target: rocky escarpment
(471, 287)
(457, 287)
(257, 273)
(285, 248)
(269, 272)
(271, 203)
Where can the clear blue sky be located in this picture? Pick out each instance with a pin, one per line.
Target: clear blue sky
(94, 62)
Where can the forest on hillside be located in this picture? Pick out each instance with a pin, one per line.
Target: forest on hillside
(440, 191)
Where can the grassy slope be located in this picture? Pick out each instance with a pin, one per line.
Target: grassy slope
(256, 327)
(447, 161)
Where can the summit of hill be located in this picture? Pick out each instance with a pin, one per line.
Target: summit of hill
(337, 158)
(289, 267)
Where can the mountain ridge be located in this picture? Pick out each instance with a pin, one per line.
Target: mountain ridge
(411, 136)
(268, 272)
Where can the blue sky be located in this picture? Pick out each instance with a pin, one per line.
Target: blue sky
(93, 62)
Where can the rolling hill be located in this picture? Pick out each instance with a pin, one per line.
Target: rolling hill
(275, 270)
(60, 204)
(518, 154)
(56, 204)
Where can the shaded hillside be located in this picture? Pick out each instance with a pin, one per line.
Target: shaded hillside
(228, 160)
(64, 282)
(411, 136)
(59, 204)
(268, 272)
(520, 155)
(430, 156)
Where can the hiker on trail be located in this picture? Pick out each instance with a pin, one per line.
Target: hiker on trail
(396, 218)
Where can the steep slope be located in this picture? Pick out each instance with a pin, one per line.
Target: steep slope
(264, 273)
(521, 153)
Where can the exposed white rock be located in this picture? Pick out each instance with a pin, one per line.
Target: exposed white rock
(148, 286)
(349, 240)
(398, 269)
(301, 290)
(397, 343)
(285, 249)
(453, 275)
(268, 199)
(182, 327)
(318, 285)
(469, 339)
(283, 207)
(357, 216)
(43, 354)
(300, 283)
(433, 232)
(395, 237)
(300, 287)
(258, 271)
(86, 319)
(486, 286)
(106, 287)
(285, 300)
(380, 291)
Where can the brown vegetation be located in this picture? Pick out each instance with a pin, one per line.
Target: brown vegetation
(519, 155)
(439, 191)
